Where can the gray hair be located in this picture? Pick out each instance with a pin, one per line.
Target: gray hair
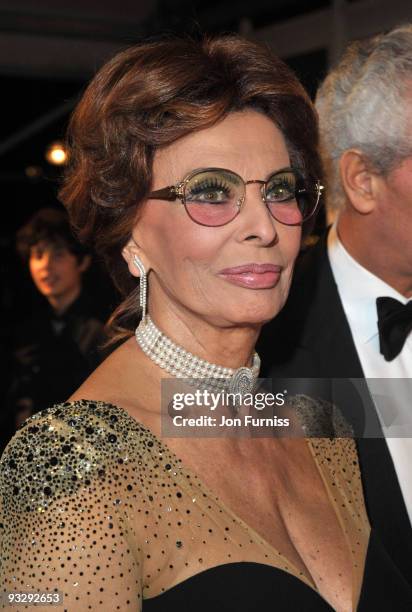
(362, 104)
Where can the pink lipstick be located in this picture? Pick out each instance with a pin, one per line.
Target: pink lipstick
(253, 275)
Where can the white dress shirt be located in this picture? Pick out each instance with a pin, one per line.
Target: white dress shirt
(358, 289)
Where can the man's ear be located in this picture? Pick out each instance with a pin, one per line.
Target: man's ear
(85, 263)
(358, 180)
(129, 251)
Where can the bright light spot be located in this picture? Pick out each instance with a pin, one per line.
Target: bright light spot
(56, 154)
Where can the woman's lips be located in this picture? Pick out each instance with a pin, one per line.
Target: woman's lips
(253, 276)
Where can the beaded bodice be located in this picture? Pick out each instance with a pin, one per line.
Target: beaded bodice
(95, 505)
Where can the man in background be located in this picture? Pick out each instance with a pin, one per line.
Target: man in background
(57, 346)
(350, 307)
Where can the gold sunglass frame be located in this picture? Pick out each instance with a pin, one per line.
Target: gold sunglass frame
(177, 192)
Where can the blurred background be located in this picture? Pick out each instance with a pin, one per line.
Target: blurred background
(50, 49)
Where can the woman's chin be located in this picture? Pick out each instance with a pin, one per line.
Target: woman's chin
(258, 308)
(255, 317)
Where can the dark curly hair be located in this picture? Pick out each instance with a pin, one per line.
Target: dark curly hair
(51, 226)
(148, 97)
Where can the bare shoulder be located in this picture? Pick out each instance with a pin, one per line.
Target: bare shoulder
(124, 379)
(111, 374)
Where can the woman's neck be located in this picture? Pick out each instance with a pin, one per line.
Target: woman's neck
(220, 344)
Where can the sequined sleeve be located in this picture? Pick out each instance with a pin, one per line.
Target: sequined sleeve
(320, 418)
(64, 512)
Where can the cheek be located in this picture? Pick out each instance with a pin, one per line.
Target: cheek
(399, 189)
(68, 271)
(405, 197)
(34, 268)
(178, 245)
(189, 265)
(289, 243)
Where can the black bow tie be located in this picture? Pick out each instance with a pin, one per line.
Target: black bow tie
(394, 324)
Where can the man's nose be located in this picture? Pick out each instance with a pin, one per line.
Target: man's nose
(46, 260)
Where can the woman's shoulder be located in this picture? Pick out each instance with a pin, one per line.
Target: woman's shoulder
(67, 478)
(100, 424)
(121, 370)
(85, 418)
(331, 438)
(320, 418)
(69, 446)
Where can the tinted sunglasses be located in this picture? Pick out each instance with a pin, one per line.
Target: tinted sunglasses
(215, 196)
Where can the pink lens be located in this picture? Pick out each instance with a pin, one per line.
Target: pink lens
(211, 214)
(288, 213)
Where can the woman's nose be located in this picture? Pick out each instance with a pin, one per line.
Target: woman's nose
(257, 222)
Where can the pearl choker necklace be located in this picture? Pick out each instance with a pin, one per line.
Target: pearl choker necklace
(182, 364)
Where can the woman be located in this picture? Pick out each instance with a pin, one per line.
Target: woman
(195, 164)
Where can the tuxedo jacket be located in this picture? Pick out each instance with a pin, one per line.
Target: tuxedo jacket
(311, 339)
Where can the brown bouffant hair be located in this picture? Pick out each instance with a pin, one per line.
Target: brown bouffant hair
(148, 97)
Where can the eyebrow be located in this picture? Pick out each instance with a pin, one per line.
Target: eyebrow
(205, 168)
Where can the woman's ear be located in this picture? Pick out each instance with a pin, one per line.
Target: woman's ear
(129, 252)
(358, 180)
